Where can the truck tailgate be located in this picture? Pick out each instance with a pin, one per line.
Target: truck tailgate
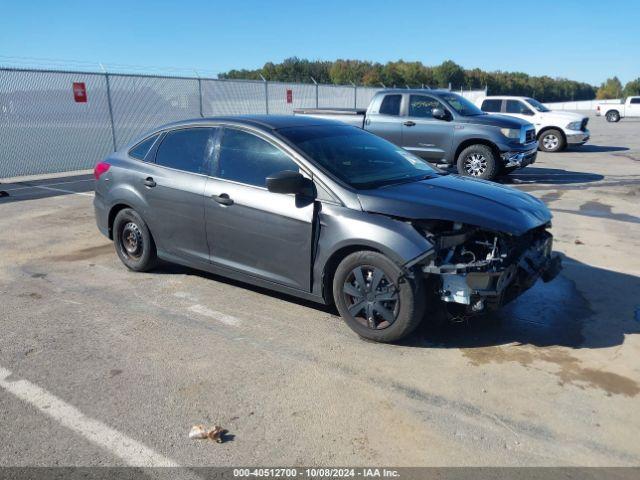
(350, 116)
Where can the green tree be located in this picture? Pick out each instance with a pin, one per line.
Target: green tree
(632, 88)
(447, 73)
(611, 88)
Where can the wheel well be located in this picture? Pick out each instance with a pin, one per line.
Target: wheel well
(546, 129)
(332, 264)
(612, 110)
(112, 216)
(476, 141)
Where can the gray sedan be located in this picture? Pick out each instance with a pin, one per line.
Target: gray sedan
(324, 211)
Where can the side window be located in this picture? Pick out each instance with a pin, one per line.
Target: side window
(391, 105)
(517, 107)
(187, 149)
(491, 105)
(635, 100)
(141, 150)
(422, 106)
(248, 159)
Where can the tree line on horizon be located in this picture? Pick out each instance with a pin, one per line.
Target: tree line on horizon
(415, 74)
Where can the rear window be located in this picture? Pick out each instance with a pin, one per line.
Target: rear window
(187, 149)
(391, 105)
(141, 150)
(635, 100)
(492, 105)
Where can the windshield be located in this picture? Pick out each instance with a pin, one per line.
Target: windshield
(537, 105)
(356, 157)
(461, 105)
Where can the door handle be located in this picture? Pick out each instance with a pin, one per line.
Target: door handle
(223, 199)
(409, 123)
(149, 182)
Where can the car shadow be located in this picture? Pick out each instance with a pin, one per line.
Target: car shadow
(551, 314)
(596, 149)
(165, 268)
(556, 176)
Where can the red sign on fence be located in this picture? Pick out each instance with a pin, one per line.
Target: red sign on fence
(289, 96)
(79, 92)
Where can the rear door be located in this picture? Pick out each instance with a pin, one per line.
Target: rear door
(423, 135)
(633, 108)
(251, 230)
(491, 105)
(384, 120)
(174, 189)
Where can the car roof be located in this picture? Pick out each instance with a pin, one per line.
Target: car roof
(506, 97)
(433, 91)
(264, 122)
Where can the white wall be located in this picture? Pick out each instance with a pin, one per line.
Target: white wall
(580, 105)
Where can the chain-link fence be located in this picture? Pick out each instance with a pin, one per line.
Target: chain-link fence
(59, 121)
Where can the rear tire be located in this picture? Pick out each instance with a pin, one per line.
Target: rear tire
(478, 161)
(552, 141)
(376, 298)
(133, 241)
(613, 116)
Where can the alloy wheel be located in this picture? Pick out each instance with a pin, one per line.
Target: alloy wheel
(550, 142)
(371, 298)
(475, 164)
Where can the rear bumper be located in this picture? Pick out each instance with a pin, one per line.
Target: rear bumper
(102, 215)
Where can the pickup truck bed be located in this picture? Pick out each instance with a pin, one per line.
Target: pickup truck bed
(351, 116)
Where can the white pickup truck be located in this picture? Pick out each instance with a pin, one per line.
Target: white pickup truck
(555, 130)
(613, 112)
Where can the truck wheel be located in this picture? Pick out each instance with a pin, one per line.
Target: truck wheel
(478, 161)
(552, 141)
(613, 116)
(376, 298)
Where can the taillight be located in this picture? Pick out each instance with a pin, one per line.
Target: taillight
(99, 169)
(598, 107)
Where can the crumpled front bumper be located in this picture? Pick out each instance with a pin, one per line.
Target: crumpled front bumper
(519, 159)
(491, 289)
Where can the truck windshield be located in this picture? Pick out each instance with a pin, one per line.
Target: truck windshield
(358, 158)
(537, 105)
(461, 105)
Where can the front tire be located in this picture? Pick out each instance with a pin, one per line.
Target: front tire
(613, 116)
(376, 298)
(133, 241)
(478, 161)
(552, 141)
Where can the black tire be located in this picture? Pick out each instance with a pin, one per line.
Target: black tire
(390, 309)
(613, 116)
(551, 141)
(478, 161)
(133, 241)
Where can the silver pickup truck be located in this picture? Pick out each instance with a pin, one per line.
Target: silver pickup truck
(443, 128)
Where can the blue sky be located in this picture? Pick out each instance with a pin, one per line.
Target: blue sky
(582, 40)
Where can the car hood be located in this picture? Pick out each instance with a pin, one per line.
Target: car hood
(459, 199)
(567, 117)
(495, 120)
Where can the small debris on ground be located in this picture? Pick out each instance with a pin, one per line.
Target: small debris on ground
(578, 242)
(199, 432)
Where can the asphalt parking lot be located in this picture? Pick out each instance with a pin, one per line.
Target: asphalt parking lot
(102, 366)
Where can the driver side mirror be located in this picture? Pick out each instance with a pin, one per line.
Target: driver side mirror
(440, 114)
(288, 181)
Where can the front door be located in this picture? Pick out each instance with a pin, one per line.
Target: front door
(251, 230)
(174, 189)
(423, 135)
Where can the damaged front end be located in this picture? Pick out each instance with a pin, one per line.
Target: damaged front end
(479, 270)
